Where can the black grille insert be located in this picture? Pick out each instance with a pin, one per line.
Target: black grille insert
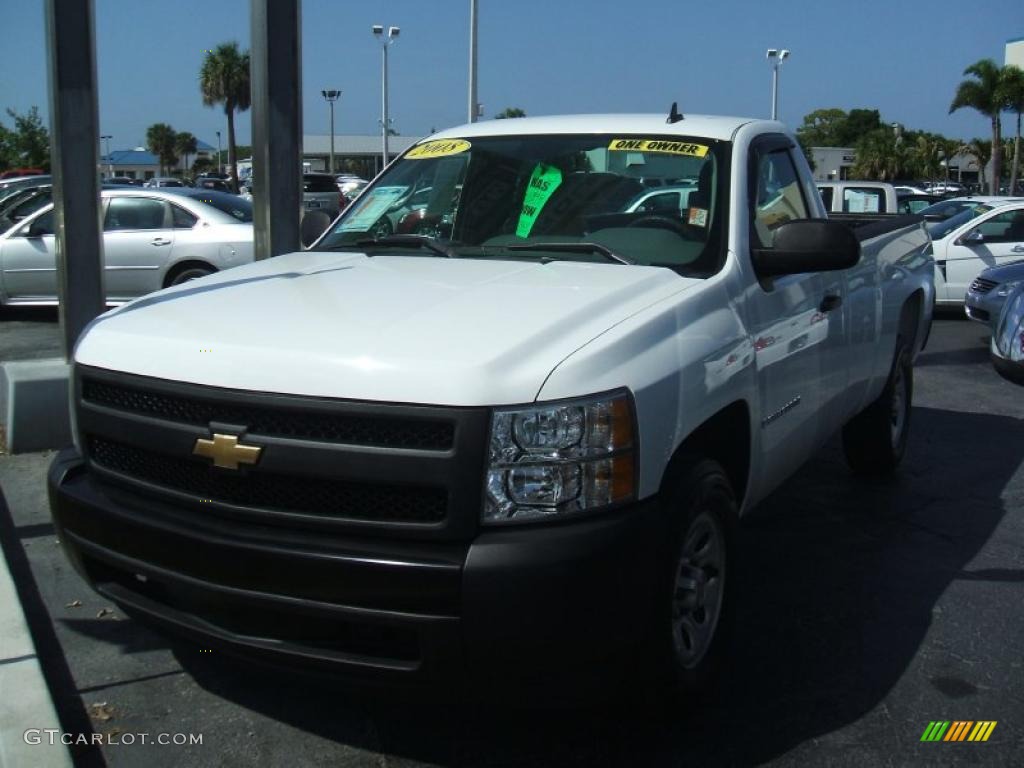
(328, 498)
(349, 429)
(981, 285)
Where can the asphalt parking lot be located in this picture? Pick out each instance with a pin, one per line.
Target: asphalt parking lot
(866, 611)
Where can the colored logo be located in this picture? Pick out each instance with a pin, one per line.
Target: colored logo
(226, 451)
(959, 730)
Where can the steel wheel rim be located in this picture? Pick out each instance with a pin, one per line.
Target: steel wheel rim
(898, 409)
(698, 589)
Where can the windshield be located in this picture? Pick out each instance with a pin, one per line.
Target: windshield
(650, 200)
(939, 229)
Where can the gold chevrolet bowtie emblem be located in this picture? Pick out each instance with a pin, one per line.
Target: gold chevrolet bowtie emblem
(226, 452)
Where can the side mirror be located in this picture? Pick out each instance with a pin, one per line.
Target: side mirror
(314, 224)
(808, 245)
(972, 238)
(36, 229)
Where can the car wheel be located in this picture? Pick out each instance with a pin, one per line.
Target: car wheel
(875, 440)
(189, 273)
(695, 611)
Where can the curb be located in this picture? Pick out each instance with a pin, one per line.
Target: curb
(25, 703)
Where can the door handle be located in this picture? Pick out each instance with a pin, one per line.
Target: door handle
(830, 302)
(1018, 249)
(160, 241)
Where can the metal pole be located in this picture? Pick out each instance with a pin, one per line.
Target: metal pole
(276, 64)
(473, 108)
(74, 127)
(775, 89)
(220, 165)
(331, 169)
(384, 108)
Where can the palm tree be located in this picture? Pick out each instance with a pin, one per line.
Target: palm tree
(1013, 92)
(982, 151)
(984, 93)
(224, 79)
(160, 138)
(185, 144)
(510, 112)
(925, 154)
(881, 156)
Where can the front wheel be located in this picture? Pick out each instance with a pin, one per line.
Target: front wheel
(695, 610)
(875, 440)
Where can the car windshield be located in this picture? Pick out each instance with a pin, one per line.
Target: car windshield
(939, 229)
(548, 197)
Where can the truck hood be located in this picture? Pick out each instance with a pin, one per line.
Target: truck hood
(387, 328)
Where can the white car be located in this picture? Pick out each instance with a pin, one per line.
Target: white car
(967, 243)
(152, 239)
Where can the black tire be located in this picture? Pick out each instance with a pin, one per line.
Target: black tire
(694, 614)
(875, 440)
(189, 273)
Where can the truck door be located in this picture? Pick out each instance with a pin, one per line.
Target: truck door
(790, 322)
(29, 261)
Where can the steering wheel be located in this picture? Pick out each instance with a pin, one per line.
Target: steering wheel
(685, 231)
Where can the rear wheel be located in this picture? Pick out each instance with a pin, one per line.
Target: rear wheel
(187, 273)
(875, 440)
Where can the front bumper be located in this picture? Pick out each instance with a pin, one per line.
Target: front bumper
(509, 602)
(983, 307)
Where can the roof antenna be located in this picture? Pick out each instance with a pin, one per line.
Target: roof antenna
(673, 114)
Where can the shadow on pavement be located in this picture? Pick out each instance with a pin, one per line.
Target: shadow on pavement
(838, 580)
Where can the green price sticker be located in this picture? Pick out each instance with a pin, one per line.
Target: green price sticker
(543, 183)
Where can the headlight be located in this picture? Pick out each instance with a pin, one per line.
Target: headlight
(1005, 289)
(556, 459)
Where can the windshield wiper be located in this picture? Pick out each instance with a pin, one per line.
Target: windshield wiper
(420, 241)
(597, 248)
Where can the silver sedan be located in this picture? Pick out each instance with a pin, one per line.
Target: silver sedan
(988, 291)
(151, 239)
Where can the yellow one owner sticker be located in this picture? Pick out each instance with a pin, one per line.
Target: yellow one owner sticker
(659, 145)
(438, 148)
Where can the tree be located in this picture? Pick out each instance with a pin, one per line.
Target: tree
(160, 138)
(28, 145)
(858, 124)
(185, 144)
(1013, 96)
(202, 165)
(510, 112)
(880, 155)
(927, 152)
(984, 93)
(224, 79)
(982, 151)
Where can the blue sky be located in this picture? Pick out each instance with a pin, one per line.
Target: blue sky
(544, 56)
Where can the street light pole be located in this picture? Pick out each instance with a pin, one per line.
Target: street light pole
(331, 97)
(386, 40)
(474, 110)
(220, 165)
(776, 57)
(110, 166)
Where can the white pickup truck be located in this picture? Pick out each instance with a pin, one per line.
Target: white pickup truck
(498, 412)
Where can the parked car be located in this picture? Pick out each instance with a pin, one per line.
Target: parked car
(967, 243)
(151, 240)
(1007, 345)
(18, 173)
(989, 290)
(320, 192)
(350, 184)
(669, 199)
(127, 181)
(944, 209)
(914, 203)
(858, 196)
(9, 185)
(164, 181)
(211, 183)
(30, 200)
(517, 446)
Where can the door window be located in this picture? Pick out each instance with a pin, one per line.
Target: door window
(1005, 227)
(182, 218)
(135, 213)
(779, 198)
